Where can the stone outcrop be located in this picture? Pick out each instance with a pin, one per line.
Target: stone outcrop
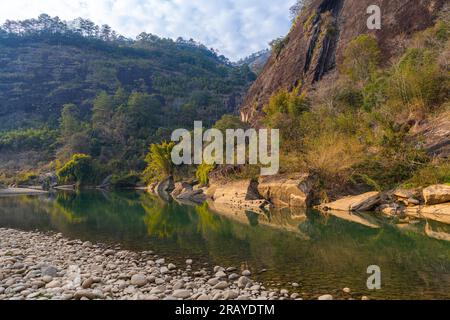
(292, 191)
(243, 193)
(434, 134)
(167, 185)
(362, 202)
(437, 194)
(193, 196)
(180, 188)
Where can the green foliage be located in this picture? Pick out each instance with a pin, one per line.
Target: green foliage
(361, 58)
(203, 172)
(283, 112)
(437, 172)
(159, 162)
(285, 102)
(230, 122)
(28, 139)
(70, 120)
(278, 45)
(79, 170)
(417, 78)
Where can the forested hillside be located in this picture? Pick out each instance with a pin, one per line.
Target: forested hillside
(74, 87)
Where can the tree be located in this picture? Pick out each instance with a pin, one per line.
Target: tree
(105, 32)
(70, 120)
(297, 8)
(102, 114)
(159, 161)
(78, 170)
(229, 121)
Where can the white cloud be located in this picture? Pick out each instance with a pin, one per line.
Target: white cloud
(235, 27)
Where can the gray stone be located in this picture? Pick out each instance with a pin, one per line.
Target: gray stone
(87, 283)
(220, 274)
(243, 281)
(171, 266)
(49, 271)
(326, 297)
(233, 276)
(139, 280)
(246, 273)
(182, 293)
(221, 285)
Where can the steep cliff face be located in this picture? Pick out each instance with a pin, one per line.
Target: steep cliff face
(317, 41)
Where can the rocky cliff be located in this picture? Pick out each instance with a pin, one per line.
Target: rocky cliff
(317, 40)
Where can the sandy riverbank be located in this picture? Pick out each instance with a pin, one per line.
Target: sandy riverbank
(20, 192)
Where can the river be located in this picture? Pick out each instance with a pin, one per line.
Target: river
(323, 254)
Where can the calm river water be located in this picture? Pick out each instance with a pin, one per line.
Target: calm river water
(323, 254)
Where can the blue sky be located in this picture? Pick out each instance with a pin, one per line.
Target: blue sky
(236, 28)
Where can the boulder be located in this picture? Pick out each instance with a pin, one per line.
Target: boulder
(362, 202)
(238, 193)
(436, 194)
(193, 195)
(286, 190)
(181, 187)
(165, 186)
(407, 193)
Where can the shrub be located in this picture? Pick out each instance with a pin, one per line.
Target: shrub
(79, 170)
(159, 162)
(278, 45)
(331, 154)
(437, 172)
(203, 172)
(361, 58)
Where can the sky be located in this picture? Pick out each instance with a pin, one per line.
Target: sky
(236, 28)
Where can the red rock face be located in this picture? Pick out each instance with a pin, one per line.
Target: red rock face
(316, 43)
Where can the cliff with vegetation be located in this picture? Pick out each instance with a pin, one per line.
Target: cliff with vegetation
(359, 109)
(319, 36)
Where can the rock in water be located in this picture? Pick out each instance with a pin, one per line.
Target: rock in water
(326, 297)
(286, 190)
(362, 202)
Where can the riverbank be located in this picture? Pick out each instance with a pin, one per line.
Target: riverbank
(49, 267)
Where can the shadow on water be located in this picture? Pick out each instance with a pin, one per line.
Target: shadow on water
(322, 253)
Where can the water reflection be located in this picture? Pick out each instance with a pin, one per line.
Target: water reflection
(322, 253)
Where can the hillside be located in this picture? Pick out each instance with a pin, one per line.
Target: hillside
(46, 64)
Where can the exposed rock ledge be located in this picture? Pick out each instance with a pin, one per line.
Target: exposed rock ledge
(362, 202)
